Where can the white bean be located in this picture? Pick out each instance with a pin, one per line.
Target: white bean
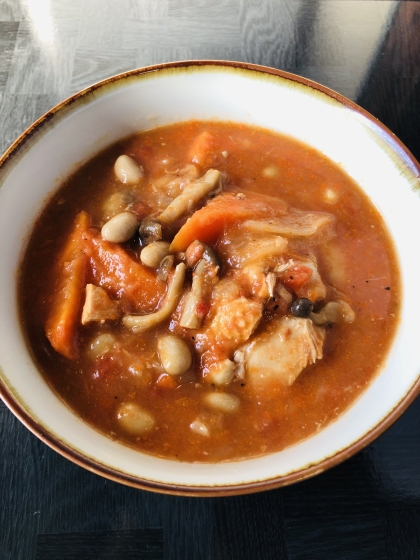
(153, 254)
(127, 170)
(134, 419)
(120, 228)
(101, 344)
(222, 402)
(174, 354)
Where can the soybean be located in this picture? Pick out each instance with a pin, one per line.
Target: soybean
(120, 228)
(127, 170)
(222, 402)
(174, 354)
(135, 419)
(153, 254)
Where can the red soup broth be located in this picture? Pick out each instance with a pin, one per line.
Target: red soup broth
(106, 373)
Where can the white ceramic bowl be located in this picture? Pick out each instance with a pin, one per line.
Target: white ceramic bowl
(86, 123)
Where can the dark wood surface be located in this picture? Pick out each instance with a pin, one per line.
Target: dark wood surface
(366, 508)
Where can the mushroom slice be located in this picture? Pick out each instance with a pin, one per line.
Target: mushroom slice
(98, 307)
(196, 303)
(334, 312)
(139, 323)
(192, 194)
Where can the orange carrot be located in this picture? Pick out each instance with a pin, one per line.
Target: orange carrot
(208, 223)
(61, 322)
(122, 276)
(202, 146)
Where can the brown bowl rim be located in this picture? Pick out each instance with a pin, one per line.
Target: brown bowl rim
(223, 490)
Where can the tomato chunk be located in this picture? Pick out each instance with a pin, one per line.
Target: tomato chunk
(297, 276)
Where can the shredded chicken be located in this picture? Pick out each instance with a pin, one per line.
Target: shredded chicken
(236, 320)
(98, 307)
(282, 354)
(295, 224)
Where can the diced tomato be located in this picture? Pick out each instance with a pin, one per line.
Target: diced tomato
(202, 308)
(297, 276)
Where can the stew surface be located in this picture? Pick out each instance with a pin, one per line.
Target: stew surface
(255, 303)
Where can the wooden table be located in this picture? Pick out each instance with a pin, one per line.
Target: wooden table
(368, 507)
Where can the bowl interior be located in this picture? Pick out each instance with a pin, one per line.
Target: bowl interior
(78, 129)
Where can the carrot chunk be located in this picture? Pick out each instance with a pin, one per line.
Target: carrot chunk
(61, 322)
(209, 223)
(203, 145)
(115, 270)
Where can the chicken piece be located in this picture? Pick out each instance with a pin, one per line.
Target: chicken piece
(98, 307)
(282, 354)
(254, 257)
(236, 320)
(296, 223)
(243, 250)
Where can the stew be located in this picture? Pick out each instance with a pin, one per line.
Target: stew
(209, 291)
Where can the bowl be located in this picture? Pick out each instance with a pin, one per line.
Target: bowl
(79, 127)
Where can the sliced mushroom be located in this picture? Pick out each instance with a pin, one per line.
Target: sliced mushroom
(334, 312)
(192, 194)
(196, 302)
(139, 323)
(164, 267)
(150, 230)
